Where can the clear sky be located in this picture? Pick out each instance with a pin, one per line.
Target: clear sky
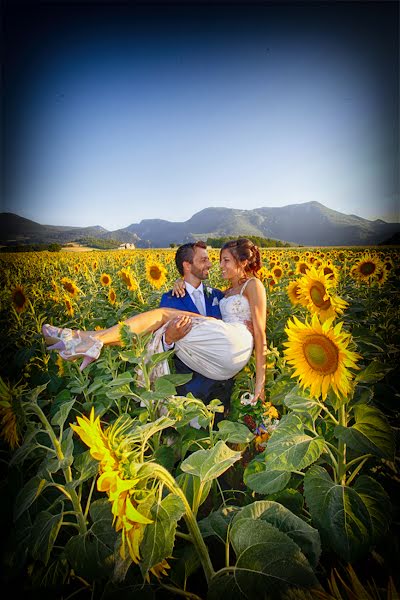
(114, 113)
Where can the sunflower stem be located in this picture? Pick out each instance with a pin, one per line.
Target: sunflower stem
(165, 477)
(71, 492)
(341, 467)
(330, 415)
(359, 467)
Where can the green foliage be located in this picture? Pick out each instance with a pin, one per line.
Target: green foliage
(99, 243)
(52, 247)
(259, 241)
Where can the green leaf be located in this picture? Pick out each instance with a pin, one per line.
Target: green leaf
(374, 372)
(305, 536)
(339, 513)
(86, 467)
(165, 456)
(217, 523)
(44, 534)
(371, 433)
(299, 401)
(129, 356)
(267, 559)
(28, 494)
(292, 452)
(190, 485)
(61, 416)
(263, 480)
(210, 464)
(291, 498)
(377, 503)
(234, 433)
(164, 386)
(159, 536)
(91, 555)
(61, 398)
(121, 379)
(280, 388)
(362, 395)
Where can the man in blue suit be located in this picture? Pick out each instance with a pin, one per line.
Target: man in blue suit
(193, 264)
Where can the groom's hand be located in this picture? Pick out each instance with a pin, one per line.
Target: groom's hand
(177, 329)
(249, 325)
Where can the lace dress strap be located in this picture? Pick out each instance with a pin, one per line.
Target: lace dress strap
(245, 284)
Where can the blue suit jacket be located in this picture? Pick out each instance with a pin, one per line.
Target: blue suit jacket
(186, 303)
(200, 386)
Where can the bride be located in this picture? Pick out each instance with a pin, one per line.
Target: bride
(217, 349)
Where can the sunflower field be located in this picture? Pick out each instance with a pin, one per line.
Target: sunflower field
(108, 491)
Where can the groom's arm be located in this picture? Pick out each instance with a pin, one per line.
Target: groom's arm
(178, 327)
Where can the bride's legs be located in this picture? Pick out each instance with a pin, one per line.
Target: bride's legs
(56, 337)
(145, 322)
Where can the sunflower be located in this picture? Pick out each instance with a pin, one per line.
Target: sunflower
(156, 274)
(367, 267)
(105, 447)
(319, 354)
(19, 299)
(277, 272)
(69, 306)
(69, 286)
(382, 277)
(128, 279)
(158, 570)
(263, 274)
(112, 296)
(330, 271)
(302, 267)
(315, 294)
(293, 291)
(10, 413)
(105, 279)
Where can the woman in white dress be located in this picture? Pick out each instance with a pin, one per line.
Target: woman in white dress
(217, 349)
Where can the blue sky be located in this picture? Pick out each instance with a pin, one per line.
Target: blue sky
(115, 114)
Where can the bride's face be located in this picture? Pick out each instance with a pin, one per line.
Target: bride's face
(228, 265)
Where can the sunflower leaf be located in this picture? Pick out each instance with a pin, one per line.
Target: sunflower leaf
(210, 464)
(374, 372)
(339, 513)
(44, 534)
(370, 433)
(264, 481)
(92, 554)
(305, 536)
(267, 559)
(377, 502)
(159, 536)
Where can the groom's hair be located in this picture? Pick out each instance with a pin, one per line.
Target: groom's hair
(186, 253)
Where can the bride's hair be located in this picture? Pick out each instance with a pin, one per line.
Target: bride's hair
(244, 249)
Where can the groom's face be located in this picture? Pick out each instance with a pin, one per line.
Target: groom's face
(201, 264)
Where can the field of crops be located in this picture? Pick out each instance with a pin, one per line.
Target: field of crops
(107, 491)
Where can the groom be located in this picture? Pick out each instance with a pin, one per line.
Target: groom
(193, 264)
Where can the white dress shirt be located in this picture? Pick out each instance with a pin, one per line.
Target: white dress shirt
(189, 290)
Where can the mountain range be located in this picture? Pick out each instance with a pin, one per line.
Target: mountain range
(307, 224)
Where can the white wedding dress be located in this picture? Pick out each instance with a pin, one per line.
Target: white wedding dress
(217, 349)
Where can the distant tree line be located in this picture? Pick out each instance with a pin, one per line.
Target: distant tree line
(54, 247)
(99, 243)
(259, 241)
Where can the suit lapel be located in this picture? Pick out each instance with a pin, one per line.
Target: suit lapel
(208, 299)
(189, 304)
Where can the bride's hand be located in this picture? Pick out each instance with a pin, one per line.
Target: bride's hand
(179, 288)
(259, 394)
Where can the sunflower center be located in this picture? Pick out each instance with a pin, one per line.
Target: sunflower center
(317, 293)
(367, 268)
(155, 272)
(321, 354)
(19, 299)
